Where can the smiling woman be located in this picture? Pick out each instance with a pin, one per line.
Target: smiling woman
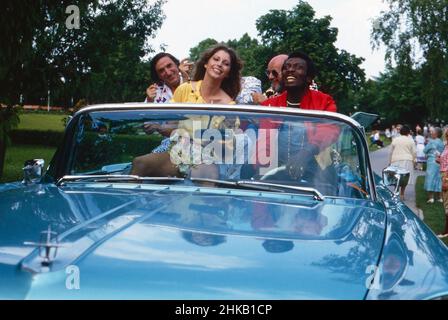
(219, 69)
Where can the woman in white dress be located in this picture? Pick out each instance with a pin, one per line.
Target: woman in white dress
(420, 146)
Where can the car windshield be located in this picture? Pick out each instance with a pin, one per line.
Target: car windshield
(265, 151)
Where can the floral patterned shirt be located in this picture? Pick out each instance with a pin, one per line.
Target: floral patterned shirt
(444, 160)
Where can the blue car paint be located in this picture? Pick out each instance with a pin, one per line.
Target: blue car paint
(239, 267)
(120, 238)
(145, 256)
(414, 262)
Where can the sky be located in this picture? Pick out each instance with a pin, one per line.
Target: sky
(190, 21)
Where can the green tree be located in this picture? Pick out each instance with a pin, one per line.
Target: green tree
(395, 95)
(102, 61)
(415, 34)
(254, 56)
(117, 42)
(196, 51)
(19, 20)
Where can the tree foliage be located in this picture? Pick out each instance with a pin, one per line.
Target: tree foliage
(195, 52)
(415, 34)
(102, 61)
(395, 95)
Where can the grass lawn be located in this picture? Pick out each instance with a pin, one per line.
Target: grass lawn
(42, 121)
(434, 213)
(16, 155)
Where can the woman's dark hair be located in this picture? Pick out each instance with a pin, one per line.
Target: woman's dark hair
(232, 84)
(311, 70)
(157, 57)
(404, 131)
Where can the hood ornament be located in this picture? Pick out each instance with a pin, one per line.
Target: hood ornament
(48, 246)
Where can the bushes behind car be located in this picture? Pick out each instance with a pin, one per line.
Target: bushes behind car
(37, 137)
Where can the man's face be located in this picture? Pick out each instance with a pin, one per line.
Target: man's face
(168, 72)
(274, 74)
(294, 73)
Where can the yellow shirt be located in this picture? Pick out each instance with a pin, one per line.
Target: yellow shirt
(185, 93)
(190, 92)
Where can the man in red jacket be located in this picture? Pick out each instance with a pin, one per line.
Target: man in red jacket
(298, 71)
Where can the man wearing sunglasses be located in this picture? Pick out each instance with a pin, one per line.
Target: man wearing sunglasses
(274, 74)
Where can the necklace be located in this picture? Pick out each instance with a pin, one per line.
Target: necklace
(293, 103)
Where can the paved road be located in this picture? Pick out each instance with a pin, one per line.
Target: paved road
(380, 160)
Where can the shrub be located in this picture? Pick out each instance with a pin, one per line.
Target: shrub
(36, 137)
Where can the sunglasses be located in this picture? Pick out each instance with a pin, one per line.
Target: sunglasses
(274, 73)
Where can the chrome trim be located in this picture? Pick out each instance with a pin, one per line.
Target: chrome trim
(33, 171)
(218, 107)
(48, 241)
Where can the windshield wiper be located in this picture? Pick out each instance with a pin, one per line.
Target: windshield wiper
(114, 178)
(216, 181)
(266, 186)
(247, 184)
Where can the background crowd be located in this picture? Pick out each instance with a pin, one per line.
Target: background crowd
(423, 149)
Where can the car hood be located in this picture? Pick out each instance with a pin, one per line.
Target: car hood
(159, 242)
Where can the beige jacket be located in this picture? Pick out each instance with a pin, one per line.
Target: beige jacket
(403, 148)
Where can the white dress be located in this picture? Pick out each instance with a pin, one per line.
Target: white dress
(420, 146)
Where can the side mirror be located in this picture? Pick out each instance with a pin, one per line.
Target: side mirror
(397, 177)
(33, 171)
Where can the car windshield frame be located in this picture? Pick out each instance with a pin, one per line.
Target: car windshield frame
(62, 161)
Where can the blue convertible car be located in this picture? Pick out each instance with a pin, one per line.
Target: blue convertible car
(213, 202)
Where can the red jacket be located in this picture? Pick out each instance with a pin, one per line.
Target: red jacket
(321, 135)
(312, 100)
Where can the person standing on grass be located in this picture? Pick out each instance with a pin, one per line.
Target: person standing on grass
(432, 179)
(403, 154)
(420, 146)
(443, 159)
